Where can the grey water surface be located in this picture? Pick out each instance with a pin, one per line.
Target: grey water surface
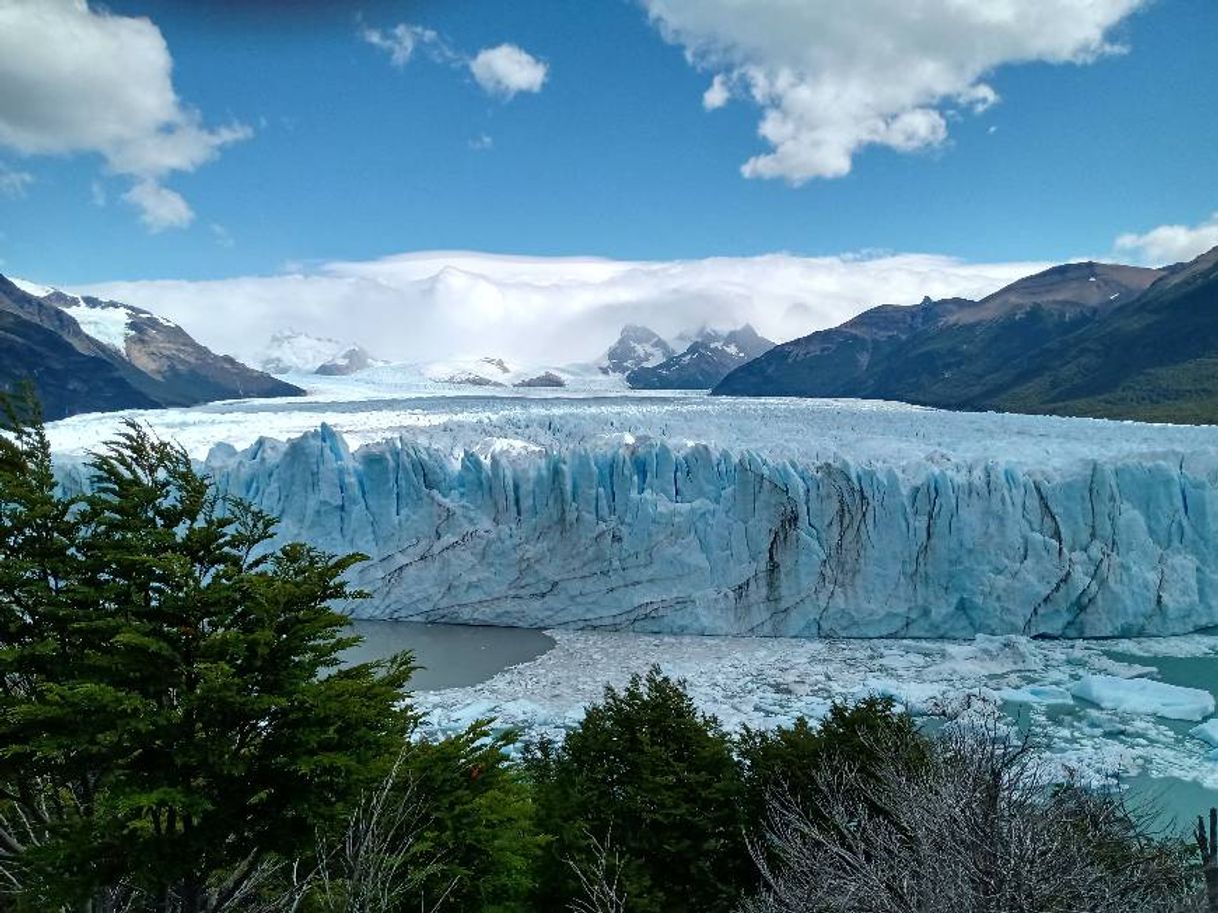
(450, 656)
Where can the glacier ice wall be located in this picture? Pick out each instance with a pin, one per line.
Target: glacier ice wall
(656, 537)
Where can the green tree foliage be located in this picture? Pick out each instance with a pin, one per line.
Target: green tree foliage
(171, 708)
(477, 845)
(789, 762)
(648, 774)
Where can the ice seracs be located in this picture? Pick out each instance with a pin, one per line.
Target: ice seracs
(652, 536)
(686, 513)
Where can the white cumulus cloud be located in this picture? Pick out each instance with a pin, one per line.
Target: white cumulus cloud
(401, 41)
(78, 79)
(506, 69)
(1170, 243)
(160, 208)
(557, 310)
(833, 77)
(717, 94)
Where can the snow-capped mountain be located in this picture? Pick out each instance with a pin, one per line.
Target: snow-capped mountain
(471, 375)
(490, 371)
(292, 352)
(352, 360)
(544, 379)
(636, 347)
(709, 357)
(85, 354)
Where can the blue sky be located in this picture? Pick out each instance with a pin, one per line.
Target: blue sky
(345, 156)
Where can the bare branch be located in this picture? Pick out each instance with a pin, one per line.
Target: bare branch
(599, 880)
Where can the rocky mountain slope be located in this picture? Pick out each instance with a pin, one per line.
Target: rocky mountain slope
(636, 347)
(347, 362)
(1078, 339)
(83, 355)
(711, 356)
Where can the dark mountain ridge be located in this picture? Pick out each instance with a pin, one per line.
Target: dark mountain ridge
(705, 362)
(158, 363)
(1079, 339)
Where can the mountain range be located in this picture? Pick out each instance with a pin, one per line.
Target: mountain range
(84, 354)
(698, 361)
(710, 357)
(636, 347)
(1093, 339)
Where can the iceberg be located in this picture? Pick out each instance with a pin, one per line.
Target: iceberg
(766, 682)
(1145, 696)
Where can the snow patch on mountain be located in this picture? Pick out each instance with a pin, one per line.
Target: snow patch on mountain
(108, 324)
(31, 288)
(710, 356)
(111, 323)
(636, 347)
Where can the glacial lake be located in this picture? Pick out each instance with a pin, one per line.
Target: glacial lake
(449, 656)
(460, 664)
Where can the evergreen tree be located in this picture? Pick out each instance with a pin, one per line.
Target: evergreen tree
(172, 711)
(651, 777)
(477, 846)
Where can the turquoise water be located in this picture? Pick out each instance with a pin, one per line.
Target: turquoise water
(451, 656)
(1176, 802)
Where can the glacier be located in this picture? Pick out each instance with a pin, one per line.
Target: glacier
(687, 514)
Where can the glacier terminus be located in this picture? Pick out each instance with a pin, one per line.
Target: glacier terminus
(687, 514)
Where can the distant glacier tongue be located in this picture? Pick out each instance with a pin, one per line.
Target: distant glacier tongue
(664, 535)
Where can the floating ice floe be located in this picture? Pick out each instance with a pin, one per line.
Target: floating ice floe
(1207, 732)
(1037, 694)
(1142, 695)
